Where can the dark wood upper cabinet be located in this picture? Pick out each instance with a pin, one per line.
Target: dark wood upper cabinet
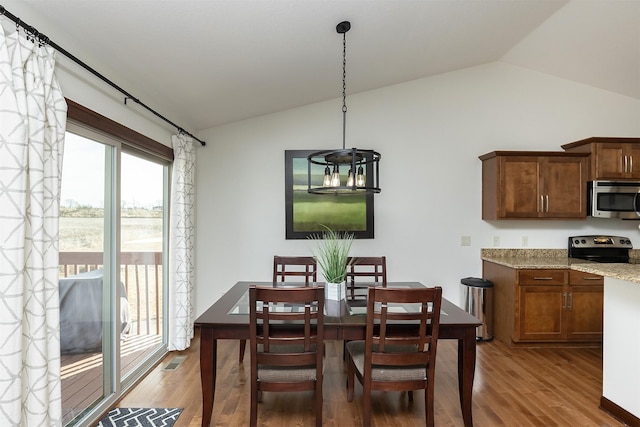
(534, 185)
(611, 158)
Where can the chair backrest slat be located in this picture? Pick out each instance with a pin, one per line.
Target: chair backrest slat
(365, 271)
(373, 268)
(296, 267)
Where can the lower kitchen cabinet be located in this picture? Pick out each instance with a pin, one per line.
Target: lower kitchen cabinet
(540, 313)
(585, 306)
(545, 305)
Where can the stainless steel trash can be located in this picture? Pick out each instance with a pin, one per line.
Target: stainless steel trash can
(478, 301)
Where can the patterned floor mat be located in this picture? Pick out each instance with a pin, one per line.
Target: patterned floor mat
(140, 417)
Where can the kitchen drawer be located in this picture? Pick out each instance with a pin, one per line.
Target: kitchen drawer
(543, 277)
(582, 278)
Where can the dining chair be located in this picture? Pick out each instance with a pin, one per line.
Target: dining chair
(285, 358)
(364, 271)
(397, 359)
(296, 268)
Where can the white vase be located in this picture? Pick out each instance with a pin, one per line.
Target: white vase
(335, 291)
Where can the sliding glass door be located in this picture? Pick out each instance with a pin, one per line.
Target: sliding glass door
(113, 225)
(142, 218)
(85, 226)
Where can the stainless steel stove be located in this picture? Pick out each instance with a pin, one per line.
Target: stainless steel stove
(600, 248)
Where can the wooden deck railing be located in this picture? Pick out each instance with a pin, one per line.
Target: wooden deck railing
(141, 273)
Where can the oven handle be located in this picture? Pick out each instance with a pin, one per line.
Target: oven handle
(635, 204)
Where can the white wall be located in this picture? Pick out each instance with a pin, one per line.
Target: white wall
(84, 88)
(430, 133)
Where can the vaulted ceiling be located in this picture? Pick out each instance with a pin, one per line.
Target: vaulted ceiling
(206, 63)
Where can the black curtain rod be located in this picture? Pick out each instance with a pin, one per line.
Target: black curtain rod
(43, 39)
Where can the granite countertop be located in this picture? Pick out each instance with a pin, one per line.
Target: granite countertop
(628, 272)
(557, 258)
(527, 258)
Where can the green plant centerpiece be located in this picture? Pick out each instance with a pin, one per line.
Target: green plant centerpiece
(332, 255)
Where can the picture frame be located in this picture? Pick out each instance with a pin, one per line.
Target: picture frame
(308, 214)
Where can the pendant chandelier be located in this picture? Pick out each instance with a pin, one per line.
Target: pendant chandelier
(362, 164)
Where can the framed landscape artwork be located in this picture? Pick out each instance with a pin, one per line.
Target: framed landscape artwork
(308, 214)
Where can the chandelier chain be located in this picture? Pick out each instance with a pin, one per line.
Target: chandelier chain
(344, 88)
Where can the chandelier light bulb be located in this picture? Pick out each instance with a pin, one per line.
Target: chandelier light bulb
(360, 179)
(335, 177)
(326, 180)
(350, 178)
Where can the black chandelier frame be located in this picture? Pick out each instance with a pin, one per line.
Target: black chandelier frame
(359, 161)
(363, 165)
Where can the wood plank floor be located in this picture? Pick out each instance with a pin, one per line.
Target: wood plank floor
(513, 387)
(82, 374)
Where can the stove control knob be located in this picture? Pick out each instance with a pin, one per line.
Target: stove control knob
(577, 242)
(583, 241)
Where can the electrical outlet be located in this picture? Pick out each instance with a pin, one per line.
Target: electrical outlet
(496, 240)
(465, 241)
(525, 240)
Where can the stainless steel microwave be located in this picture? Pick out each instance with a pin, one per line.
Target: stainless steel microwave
(614, 199)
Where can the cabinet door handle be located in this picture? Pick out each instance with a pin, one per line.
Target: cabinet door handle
(591, 278)
(542, 278)
(630, 164)
(547, 199)
(541, 204)
(625, 164)
(570, 301)
(564, 300)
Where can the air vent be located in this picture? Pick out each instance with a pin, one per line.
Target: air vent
(175, 363)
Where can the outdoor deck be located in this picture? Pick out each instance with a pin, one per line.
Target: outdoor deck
(82, 374)
(82, 377)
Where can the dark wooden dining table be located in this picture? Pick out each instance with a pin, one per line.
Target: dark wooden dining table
(228, 318)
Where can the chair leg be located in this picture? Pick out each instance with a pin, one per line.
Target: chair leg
(366, 403)
(243, 346)
(350, 379)
(410, 393)
(429, 395)
(319, 403)
(253, 413)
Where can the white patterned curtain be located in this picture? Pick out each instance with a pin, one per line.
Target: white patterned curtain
(32, 127)
(181, 244)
